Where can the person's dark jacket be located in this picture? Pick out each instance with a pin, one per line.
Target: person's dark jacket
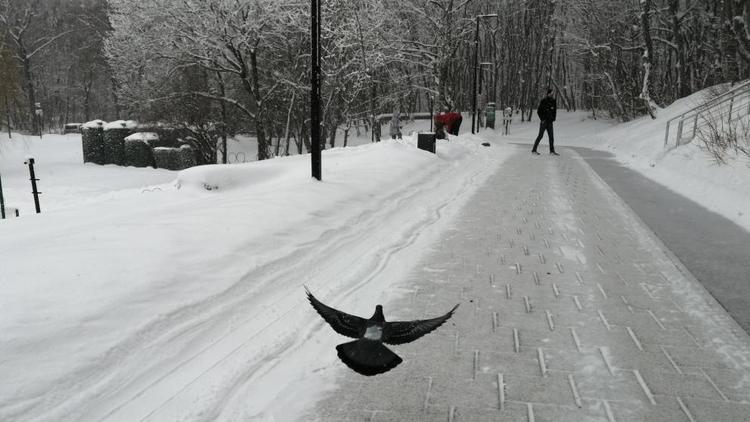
(547, 109)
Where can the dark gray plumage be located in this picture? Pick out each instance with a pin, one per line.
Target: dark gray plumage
(367, 355)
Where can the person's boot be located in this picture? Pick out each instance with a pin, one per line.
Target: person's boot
(534, 152)
(554, 153)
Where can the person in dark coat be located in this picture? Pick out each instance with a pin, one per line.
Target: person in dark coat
(547, 113)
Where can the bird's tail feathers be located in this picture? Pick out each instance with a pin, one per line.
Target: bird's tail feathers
(367, 357)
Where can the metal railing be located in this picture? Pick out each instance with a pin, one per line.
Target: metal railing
(728, 106)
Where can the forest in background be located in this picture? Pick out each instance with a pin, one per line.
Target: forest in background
(242, 66)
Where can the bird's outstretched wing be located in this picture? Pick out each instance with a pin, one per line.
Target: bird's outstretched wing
(399, 332)
(342, 323)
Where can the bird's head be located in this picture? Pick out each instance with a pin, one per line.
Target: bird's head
(378, 315)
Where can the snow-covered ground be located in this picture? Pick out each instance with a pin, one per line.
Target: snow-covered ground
(137, 291)
(140, 293)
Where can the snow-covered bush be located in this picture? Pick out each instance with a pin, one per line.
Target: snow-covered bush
(175, 158)
(138, 153)
(114, 140)
(92, 141)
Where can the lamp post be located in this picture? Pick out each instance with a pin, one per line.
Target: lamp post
(476, 64)
(315, 154)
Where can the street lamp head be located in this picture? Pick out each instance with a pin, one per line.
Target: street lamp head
(493, 15)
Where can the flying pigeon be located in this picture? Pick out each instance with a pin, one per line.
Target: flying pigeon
(367, 355)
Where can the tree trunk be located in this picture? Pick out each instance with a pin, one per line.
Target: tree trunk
(682, 66)
(7, 115)
(26, 63)
(263, 149)
(743, 38)
(616, 96)
(115, 98)
(332, 135)
(87, 96)
(223, 109)
(648, 58)
(288, 123)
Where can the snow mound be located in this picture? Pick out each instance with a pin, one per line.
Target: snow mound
(142, 136)
(221, 177)
(94, 124)
(121, 124)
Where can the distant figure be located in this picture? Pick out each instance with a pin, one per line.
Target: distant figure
(547, 113)
(395, 129)
(507, 119)
(367, 355)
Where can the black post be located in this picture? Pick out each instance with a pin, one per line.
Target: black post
(474, 88)
(33, 179)
(315, 90)
(2, 200)
(479, 94)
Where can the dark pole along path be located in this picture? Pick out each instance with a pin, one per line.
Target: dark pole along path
(714, 249)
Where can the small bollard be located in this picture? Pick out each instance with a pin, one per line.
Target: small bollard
(30, 162)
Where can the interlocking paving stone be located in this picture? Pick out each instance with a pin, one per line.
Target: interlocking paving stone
(682, 385)
(667, 409)
(708, 410)
(735, 385)
(590, 411)
(647, 343)
(553, 388)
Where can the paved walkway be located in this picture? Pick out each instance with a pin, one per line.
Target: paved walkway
(571, 310)
(714, 249)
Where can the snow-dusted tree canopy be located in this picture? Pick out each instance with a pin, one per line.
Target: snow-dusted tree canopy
(244, 65)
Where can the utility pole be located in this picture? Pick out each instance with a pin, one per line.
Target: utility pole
(315, 154)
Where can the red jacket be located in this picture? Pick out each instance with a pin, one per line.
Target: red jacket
(448, 120)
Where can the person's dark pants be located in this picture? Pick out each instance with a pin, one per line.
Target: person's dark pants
(546, 125)
(455, 126)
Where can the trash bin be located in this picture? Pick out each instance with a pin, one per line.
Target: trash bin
(426, 141)
(490, 115)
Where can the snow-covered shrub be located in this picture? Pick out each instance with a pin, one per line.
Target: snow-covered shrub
(166, 136)
(175, 158)
(114, 146)
(204, 138)
(138, 153)
(92, 141)
(114, 140)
